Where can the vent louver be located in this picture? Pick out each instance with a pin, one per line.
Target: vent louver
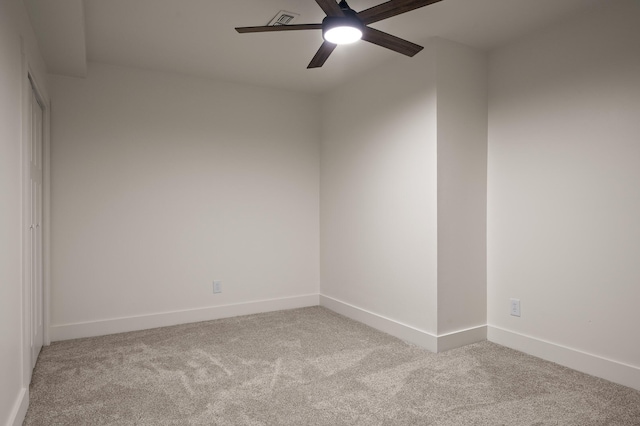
(283, 18)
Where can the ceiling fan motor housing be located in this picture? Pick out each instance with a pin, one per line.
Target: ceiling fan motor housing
(349, 23)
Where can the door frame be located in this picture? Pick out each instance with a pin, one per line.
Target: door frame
(30, 81)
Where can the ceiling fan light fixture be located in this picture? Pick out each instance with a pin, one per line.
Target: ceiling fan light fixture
(342, 30)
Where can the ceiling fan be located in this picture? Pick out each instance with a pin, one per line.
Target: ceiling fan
(343, 25)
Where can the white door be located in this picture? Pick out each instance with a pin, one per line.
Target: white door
(35, 230)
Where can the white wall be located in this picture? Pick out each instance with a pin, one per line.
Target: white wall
(403, 196)
(14, 25)
(462, 186)
(10, 218)
(564, 185)
(162, 183)
(378, 193)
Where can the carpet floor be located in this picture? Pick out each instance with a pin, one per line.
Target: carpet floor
(308, 367)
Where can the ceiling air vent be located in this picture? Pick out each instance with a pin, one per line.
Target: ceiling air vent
(283, 18)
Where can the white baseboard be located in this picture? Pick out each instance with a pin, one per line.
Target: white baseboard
(164, 319)
(460, 338)
(387, 325)
(614, 371)
(16, 417)
(406, 332)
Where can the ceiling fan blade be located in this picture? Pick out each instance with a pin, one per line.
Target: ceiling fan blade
(264, 29)
(391, 8)
(322, 55)
(390, 42)
(330, 7)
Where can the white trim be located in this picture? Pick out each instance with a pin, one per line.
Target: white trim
(460, 338)
(395, 328)
(617, 372)
(24, 217)
(16, 418)
(164, 319)
(441, 343)
(46, 216)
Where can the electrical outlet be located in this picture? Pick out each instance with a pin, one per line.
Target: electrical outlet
(515, 307)
(217, 287)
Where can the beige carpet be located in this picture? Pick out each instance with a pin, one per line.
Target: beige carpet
(308, 367)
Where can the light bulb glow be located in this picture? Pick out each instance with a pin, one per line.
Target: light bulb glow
(343, 35)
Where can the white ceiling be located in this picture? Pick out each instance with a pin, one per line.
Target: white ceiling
(59, 26)
(197, 37)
